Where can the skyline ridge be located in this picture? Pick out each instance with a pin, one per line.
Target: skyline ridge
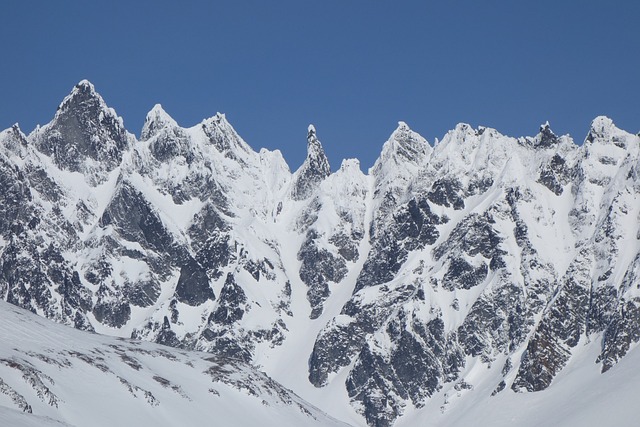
(158, 108)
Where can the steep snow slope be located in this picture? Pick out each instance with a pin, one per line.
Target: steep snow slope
(580, 396)
(65, 377)
(483, 260)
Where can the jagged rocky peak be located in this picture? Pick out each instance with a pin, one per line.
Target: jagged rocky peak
(403, 146)
(156, 120)
(165, 138)
(84, 128)
(607, 145)
(394, 285)
(316, 157)
(465, 129)
(546, 137)
(314, 169)
(224, 137)
(402, 156)
(13, 141)
(467, 139)
(602, 130)
(483, 151)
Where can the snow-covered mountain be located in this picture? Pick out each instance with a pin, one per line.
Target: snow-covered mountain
(483, 267)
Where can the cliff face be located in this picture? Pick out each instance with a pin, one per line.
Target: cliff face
(387, 287)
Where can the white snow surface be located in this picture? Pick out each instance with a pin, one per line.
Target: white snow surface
(70, 378)
(580, 396)
(268, 224)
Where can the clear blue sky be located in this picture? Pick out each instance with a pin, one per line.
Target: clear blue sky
(353, 68)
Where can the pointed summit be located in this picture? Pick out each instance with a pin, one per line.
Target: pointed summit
(314, 169)
(13, 141)
(546, 138)
(602, 122)
(402, 127)
(403, 146)
(315, 154)
(404, 153)
(82, 93)
(156, 120)
(85, 84)
(604, 135)
(601, 129)
(224, 137)
(85, 135)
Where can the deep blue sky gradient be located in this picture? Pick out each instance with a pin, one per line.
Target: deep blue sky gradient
(353, 68)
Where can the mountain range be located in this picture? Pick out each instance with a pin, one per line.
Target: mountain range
(480, 269)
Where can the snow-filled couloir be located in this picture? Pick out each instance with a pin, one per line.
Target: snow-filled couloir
(479, 269)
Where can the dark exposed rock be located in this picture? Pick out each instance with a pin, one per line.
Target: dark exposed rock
(223, 137)
(384, 261)
(413, 228)
(135, 220)
(172, 143)
(112, 313)
(98, 272)
(473, 235)
(228, 346)
(15, 194)
(501, 386)
(602, 308)
(309, 216)
(428, 297)
(463, 275)
(166, 336)
(333, 349)
(318, 268)
(496, 323)
(383, 407)
(284, 305)
(29, 278)
(559, 331)
(338, 343)
(479, 185)
(447, 192)
(622, 331)
(44, 185)
(211, 241)
(257, 269)
(193, 284)
(347, 245)
(232, 303)
(416, 224)
(314, 169)
(547, 138)
(623, 322)
(73, 293)
(84, 128)
(555, 175)
(422, 359)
